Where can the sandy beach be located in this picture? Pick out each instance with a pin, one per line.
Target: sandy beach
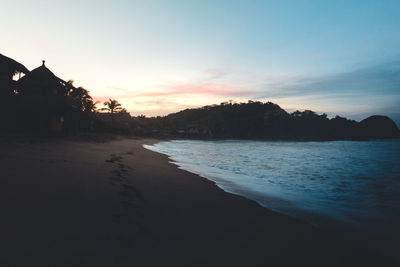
(70, 203)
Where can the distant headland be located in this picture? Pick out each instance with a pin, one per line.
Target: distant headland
(38, 101)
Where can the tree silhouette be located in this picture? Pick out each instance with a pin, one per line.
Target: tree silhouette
(113, 106)
(80, 97)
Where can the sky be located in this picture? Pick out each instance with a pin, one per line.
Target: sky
(158, 57)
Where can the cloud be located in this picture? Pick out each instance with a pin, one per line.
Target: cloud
(213, 82)
(102, 99)
(379, 79)
(374, 89)
(383, 79)
(201, 88)
(355, 94)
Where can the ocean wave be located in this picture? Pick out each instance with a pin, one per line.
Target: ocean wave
(357, 183)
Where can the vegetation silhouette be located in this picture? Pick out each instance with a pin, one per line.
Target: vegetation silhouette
(39, 101)
(266, 121)
(112, 106)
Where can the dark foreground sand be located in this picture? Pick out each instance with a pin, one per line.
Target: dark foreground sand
(66, 203)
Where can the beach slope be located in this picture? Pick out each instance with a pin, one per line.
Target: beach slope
(69, 203)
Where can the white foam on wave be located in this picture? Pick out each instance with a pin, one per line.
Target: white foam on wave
(351, 182)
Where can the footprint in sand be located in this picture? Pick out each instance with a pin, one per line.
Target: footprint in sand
(115, 179)
(118, 173)
(129, 195)
(114, 158)
(130, 188)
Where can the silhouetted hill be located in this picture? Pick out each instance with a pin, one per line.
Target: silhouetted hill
(379, 127)
(257, 120)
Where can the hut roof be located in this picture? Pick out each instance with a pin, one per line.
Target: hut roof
(9, 67)
(41, 75)
(41, 81)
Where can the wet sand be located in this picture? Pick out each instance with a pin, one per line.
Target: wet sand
(69, 203)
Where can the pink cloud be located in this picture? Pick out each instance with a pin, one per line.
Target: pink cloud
(103, 99)
(197, 89)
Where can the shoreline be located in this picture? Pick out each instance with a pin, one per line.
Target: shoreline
(118, 204)
(276, 203)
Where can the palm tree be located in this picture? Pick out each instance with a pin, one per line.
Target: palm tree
(80, 97)
(112, 105)
(90, 106)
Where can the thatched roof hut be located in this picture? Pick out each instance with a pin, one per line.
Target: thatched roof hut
(9, 67)
(41, 100)
(41, 81)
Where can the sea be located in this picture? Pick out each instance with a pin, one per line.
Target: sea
(347, 187)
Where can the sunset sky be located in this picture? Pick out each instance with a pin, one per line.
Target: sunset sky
(157, 57)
